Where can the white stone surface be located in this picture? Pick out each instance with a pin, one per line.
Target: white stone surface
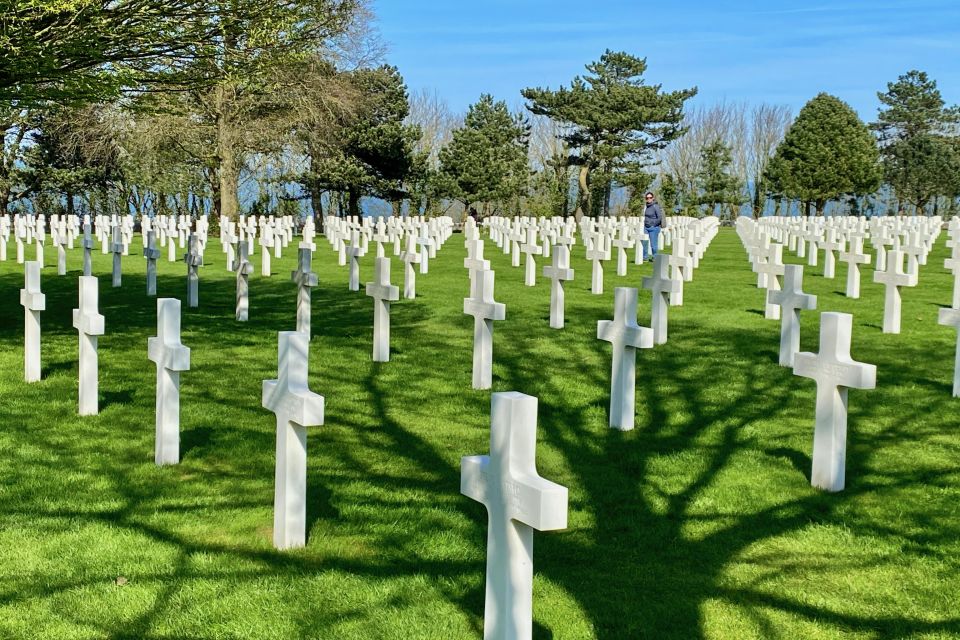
(116, 248)
(194, 259)
(518, 501)
(662, 286)
(89, 324)
(531, 249)
(88, 244)
(854, 257)
(951, 318)
(834, 371)
(151, 253)
(356, 251)
(626, 336)
(305, 279)
(410, 257)
(383, 293)
(171, 357)
(791, 300)
(296, 408)
(893, 278)
(33, 302)
(485, 311)
(558, 272)
(243, 269)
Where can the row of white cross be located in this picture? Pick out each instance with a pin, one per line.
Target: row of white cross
(832, 368)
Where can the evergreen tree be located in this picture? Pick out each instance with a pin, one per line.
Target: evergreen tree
(613, 120)
(718, 185)
(827, 153)
(486, 161)
(914, 127)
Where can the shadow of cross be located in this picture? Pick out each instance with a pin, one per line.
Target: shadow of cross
(296, 408)
(626, 337)
(518, 501)
(834, 371)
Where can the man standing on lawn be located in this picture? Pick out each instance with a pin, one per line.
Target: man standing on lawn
(652, 223)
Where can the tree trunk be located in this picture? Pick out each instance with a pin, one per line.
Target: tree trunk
(354, 203)
(584, 197)
(228, 176)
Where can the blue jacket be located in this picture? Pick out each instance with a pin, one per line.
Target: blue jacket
(652, 216)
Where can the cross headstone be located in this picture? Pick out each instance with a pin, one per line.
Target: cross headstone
(266, 243)
(662, 286)
(597, 255)
(518, 501)
(296, 408)
(410, 257)
(622, 243)
(893, 278)
(626, 336)
(244, 269)
(356, 252)
(474, 261)
(834, 372)
(87, 244)
(680, 265)
(171, 357)
(151, 253)
(953, 265)
(485, 311)
(116, 248)
(383, 293)
(531, 249)
(951, 318)
(791, 299)
(194, 260)
(558, 272)
(830, 244)
(33, 302)
(306, 280)
(89, 324)
(854, 258)
(772, 267)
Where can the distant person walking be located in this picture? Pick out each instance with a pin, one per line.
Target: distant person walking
(652, 223)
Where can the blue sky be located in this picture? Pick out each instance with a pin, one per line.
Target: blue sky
(781, 53)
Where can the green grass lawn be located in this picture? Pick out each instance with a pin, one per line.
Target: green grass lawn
(700, 523)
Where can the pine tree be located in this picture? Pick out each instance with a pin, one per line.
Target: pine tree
(486, 161)
(827, 153)
(918, 144)
(718, 186)
(614, 122)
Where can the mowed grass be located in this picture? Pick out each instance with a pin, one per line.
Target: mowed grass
(700, 523)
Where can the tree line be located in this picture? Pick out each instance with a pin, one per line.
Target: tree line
(195, 108)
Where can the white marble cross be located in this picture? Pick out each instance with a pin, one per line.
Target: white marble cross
(830, 244)
(952, 264)
(951, 318)
(89, 324)
(772, 267)
(558, 272)
(171, 357)
(622, 243)
(681, 264)
(383, 293)
(662, 286)
(427, 249)
(243, 269)
(531, 249)
(791, 299)
(88, 244)
(474, 261)
(893, 278)
(356, 251)
(518, 501)
(33, 302)
(194, 260)
(305, 279)
(854, 258)
(266, 243)
(834, 372)
(116, 248)
(410, 257)
(597, 255)
(626, 336)
(296, 408)
(485, 310)
(151, 253)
